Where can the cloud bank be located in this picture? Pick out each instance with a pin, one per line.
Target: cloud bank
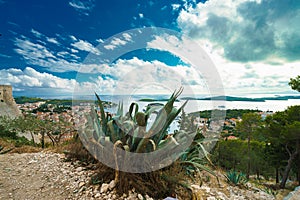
(255, 30)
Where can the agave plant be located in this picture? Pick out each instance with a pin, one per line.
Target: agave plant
(236, 178)
(196, 157)
(129, 130)
(119, 139)
(129, 133)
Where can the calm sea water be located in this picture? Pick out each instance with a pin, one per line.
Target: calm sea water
(200, 105)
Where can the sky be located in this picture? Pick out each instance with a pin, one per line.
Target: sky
(62, 47)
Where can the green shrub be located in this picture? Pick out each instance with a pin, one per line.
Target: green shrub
(236, 178)
(270, 191)
(4, 133)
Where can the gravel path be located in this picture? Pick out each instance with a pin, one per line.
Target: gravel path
(45, 176)
(38, 176)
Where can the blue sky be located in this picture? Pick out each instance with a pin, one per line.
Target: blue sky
(253, 44)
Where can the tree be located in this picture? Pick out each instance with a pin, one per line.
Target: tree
(23, 124)
(250, 124)
(230, 154)
(284, 131)
(45, 127)
(275, 157)
(295, 83)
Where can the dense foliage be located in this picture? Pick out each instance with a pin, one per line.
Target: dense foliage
(231, 113)
(295, 83)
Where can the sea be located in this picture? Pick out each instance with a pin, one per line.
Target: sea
(194, 105)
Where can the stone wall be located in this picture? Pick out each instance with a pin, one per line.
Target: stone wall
(8, 105)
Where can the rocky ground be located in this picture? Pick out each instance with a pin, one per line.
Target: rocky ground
(46, 175)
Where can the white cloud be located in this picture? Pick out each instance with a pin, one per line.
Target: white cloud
(62, 53)
(127, 36)
(118, 41)
(52, 40)
(109, 47)
(36, 33)
(252, 43)
(4, 56)
(13, 23)
(73, 37)
(115, 42)
(32, 50)
(164, 8)
(246, 30)
(127, 75)
(141, 15)
(237, 78)
(83, 7)
(30, 79)
(100, 40)
(86, 46)
(175, 6)
(40, 55)
(74, 50)
(42, 36)
(31, 82)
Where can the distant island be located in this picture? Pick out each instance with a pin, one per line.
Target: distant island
(23, 99)
(230, 98)
(61, 102)
(153, 100)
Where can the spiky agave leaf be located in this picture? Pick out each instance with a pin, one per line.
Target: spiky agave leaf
(113, 132)
(169, 105)
(195, 162)
(102, 113)
(146, 145)
(169, 119)
(134, 106)
(197, 146)
(96, 125)
(162, 117)
(120, 109)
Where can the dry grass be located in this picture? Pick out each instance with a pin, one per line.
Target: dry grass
(159, 184)
(9, 147)
(74, 150)
(26, 149)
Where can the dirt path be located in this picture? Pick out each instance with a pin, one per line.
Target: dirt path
(44, 176)
(36, 176)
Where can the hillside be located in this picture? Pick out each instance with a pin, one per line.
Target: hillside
(47, 175)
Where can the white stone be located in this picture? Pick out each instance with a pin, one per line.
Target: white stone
(211, 198)
(81, 184)
(207, 189)
(104, 188)
(140, 197)
(248, 185)
(112, 185)
(197, 187)
(97, 195)
(79, 169)
(148, 198)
